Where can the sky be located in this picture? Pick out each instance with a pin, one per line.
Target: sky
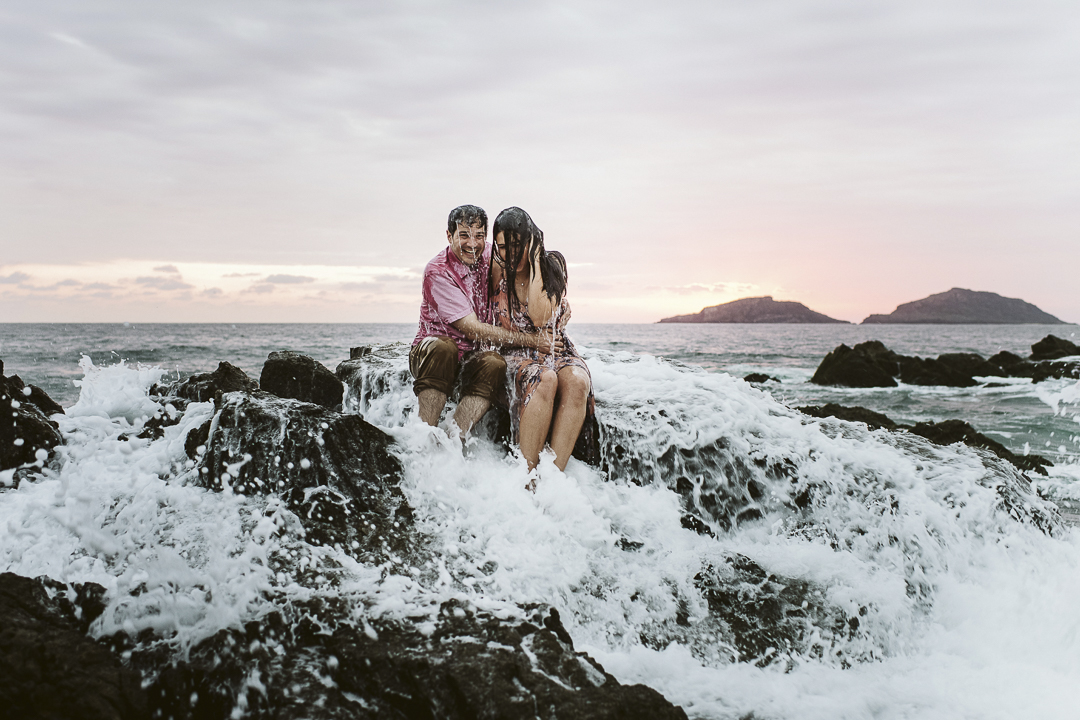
(296, 161)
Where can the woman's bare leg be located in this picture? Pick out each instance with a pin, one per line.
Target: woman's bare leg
(570, 406)
(536, 419)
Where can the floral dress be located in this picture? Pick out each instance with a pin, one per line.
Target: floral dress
(525, 366)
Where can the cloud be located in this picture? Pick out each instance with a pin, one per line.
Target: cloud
(160, 283)
(14, 278)
(289, 279)
(360, 286)
(260, 289)
(722, 288)
(212, 292)
(240, 275)
(167, 269)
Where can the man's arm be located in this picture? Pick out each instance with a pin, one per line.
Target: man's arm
(471, 327)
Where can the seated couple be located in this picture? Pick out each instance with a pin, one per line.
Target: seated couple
(509, 295)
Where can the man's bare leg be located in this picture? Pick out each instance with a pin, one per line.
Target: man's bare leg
(469, 411)
(432, 403)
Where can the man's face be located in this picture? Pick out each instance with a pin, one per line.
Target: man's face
(467, 242)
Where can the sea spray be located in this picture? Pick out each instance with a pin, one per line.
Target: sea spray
(959, 576)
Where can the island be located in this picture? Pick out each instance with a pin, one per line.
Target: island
(755, 310)
(962, 307)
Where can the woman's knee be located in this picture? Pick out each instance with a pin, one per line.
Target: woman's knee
(574, 388)
(548, 386)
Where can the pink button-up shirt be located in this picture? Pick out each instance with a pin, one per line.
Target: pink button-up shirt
(452, 290)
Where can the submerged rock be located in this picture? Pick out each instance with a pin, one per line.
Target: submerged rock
(27, 435)
(872, 420)
(946, 432)
(49, 667)
(289, 374)
(760, 378)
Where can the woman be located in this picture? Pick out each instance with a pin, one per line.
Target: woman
(550, 395)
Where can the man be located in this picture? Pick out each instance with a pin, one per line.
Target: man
(454, 318)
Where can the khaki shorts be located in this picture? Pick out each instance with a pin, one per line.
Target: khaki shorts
(434, 364)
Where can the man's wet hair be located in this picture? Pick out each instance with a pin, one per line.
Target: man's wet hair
(466, 215)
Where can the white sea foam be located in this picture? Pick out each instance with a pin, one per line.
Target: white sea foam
(966, 612)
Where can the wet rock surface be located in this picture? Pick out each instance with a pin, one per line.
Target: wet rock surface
(292, 375)
(27, 435)
(335, 471)
(465, 664)
(205, 386)
(49, 667)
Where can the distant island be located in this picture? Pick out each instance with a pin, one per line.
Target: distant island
(755, 310)
(962, 307)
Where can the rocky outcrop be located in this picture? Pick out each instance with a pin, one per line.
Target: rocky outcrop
(871, 364)
(49, 667)
(336, 471)
(946, 432)
(755, 310)
(205, 386)
(315, 664)
(959, 306)
(27, 435)
(1052, 347)
(760, 378)
(292, 375)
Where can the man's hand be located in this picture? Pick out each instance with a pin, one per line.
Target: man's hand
(547, 343)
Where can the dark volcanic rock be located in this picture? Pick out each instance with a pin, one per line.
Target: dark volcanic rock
(1055, 370)
(768, 617)
(1052, 348)
(318, 666)
(1012, 365)
(292, 375)
(871, 419)
(868, 364)
(755, 310)
(27, 435)
(205, 386)
(759, 378)
(335, 471)
(971, 365)
(959, 306)
(871, 364)
(946, 432)
(929, 371)
(49, 668)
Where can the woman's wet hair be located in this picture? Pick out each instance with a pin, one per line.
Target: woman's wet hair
(521, 234)
(466, 215)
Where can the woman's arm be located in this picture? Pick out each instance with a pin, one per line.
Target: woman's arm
(541, 306)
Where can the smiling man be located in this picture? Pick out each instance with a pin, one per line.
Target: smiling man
(455, 321)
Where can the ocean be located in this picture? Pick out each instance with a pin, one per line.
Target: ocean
(967, 608)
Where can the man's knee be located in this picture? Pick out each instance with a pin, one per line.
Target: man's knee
(433, 363)
(483, 375)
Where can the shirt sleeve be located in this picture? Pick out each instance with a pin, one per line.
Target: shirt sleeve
(447, 298)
